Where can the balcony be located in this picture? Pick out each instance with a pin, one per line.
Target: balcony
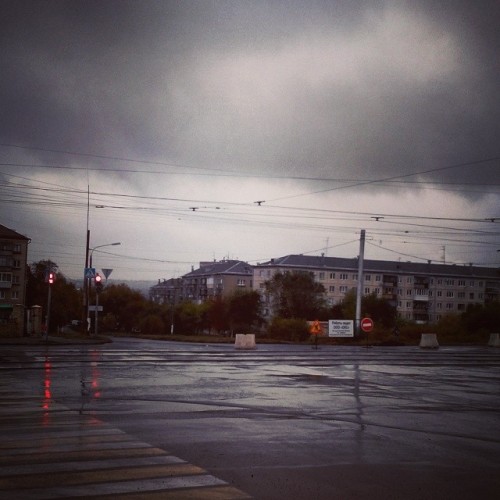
(422, 297)
(5, 284)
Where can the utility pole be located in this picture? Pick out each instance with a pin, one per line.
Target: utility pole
(359, 293)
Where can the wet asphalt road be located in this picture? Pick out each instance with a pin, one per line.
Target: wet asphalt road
(286, 421)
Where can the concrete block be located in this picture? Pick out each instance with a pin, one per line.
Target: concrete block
(494, 340)
(429, 341)
(244, 341)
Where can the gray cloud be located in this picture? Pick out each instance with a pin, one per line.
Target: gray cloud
(340, 89)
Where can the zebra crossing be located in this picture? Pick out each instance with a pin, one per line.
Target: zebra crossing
(65, 454)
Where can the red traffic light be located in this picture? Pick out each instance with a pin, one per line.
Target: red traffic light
(98, 278)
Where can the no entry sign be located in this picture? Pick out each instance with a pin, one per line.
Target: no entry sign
(367, 324)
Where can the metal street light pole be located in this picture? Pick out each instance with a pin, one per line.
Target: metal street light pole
(97, 299)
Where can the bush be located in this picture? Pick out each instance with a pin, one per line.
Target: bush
(295, 330)
(152, 325)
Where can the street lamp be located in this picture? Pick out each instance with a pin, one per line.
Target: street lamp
(100, 246)
(88, 287)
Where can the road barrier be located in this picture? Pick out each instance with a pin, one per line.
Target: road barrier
(244, 341)
(494, 340)
(429, 341)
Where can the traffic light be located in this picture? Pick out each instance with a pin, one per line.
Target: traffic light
(51, 278)
(98, 283)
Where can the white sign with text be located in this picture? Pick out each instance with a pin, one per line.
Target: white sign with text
(340, 328)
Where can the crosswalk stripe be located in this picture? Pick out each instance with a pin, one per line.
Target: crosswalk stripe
(120, 487)
(64, 454)
(98, 476)
(79, 455)
(110, 463)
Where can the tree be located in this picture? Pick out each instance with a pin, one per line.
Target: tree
(378, 309)
(126, 305)
(296, 295)
(478, 317)
(243, 310)
(217, 314)
(66, 300)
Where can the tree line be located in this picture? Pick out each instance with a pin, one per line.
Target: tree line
(293, 297)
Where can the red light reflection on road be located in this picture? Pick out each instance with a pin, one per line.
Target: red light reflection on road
(47, 394)
(94, 384)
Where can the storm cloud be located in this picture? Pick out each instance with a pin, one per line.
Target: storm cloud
(321, 95)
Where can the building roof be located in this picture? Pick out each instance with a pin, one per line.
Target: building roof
(314, 262)
(235, 267)
(10, 234)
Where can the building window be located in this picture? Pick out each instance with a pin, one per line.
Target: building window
(471, 296)
(450, 294)
(461, 295)
(408, 280)
(480, 296)
(367, 290)
(439, 305)
(440, 282)
(461, 282)
(332, 276)
(480, 283)
(331, 288)
(409, 292)
(343, 289)
(377, 291)
(408, 304)
(15, 295)
(2, 294)
(368, 277)
(321, 276)
(439, 293)
(449, 305)
(378, 278)
(344, 276)
(461, 307)
(241, 282)
(354, 277)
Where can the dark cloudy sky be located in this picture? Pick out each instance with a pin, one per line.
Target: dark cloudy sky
(178, 115)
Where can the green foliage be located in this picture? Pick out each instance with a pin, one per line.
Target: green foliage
(291, 329)
(217, 314)
(482, 318)
(296, 295)
(66, 300)
(380, 310)
(109, 322)
(450, 325)
(152, 324)
(127, 305)
(188, 318)
(243, 310)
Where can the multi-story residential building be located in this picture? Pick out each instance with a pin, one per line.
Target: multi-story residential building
(421, 292)
(214, 279)
(13, 262)
(167, 291)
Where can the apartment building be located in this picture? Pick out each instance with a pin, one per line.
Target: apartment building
(421, 292)
(167, 292)
(214, 279)
(13, 262)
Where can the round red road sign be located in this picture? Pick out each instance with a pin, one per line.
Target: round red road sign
(367, 324)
